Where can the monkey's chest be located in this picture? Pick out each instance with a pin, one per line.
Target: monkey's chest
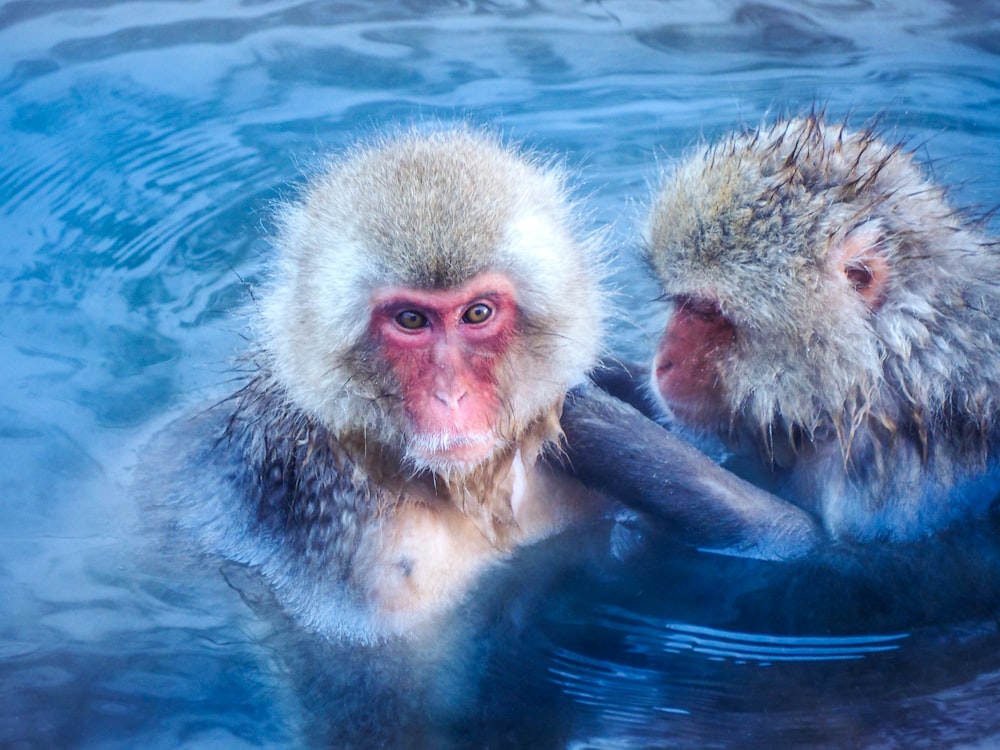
(424, 556)
(421, 562)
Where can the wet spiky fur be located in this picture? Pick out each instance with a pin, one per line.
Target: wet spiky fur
(907, 386)
(300, 473)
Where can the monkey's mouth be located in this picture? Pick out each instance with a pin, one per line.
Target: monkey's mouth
(452, 451)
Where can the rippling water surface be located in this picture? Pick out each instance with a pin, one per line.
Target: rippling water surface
(141, 146)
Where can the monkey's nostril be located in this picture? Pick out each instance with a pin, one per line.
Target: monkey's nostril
(450, 399)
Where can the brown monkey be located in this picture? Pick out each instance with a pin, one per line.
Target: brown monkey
(834, 317)
(432, 302)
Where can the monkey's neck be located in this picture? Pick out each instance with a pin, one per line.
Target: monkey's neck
(492, 495)
(489, 495)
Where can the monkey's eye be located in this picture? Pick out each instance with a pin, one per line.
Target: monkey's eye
(705, 309)
(478, 313)
(411, 320)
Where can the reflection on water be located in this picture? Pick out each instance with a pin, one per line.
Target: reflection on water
(645, 634)
(142, 144)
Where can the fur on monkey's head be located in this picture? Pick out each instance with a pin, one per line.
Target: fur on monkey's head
(429, 210)
(858, 296)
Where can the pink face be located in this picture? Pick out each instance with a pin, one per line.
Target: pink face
(686, 370)
(445, 349)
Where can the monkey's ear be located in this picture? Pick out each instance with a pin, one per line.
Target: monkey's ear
(857, 255)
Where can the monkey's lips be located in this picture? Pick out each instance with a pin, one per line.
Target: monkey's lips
(452, 451)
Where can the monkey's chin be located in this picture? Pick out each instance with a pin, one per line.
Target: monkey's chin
(451, 454)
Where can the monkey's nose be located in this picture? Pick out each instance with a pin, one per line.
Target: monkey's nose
(451, 399)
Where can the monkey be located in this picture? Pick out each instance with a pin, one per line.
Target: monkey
(833, 327)
(432, 299)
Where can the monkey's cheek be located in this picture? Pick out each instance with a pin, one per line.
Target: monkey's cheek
(669, 388)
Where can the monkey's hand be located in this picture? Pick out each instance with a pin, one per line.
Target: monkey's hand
(628, 382)
(613, 448)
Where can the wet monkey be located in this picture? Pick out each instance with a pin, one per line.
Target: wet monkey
(433, 299)
(835, 325)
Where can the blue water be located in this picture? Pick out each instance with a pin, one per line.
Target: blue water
(141, 146)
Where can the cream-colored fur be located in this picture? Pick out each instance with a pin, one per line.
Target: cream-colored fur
(429, 211)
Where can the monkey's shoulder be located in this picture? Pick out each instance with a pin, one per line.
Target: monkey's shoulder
(253, 468)
(266, 487)
(291, 479)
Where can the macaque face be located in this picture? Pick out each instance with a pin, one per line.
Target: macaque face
(445, 349)
(686, 366)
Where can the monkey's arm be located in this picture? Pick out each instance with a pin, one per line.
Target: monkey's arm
(615, 449)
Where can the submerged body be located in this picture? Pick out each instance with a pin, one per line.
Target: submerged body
(835, 326)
